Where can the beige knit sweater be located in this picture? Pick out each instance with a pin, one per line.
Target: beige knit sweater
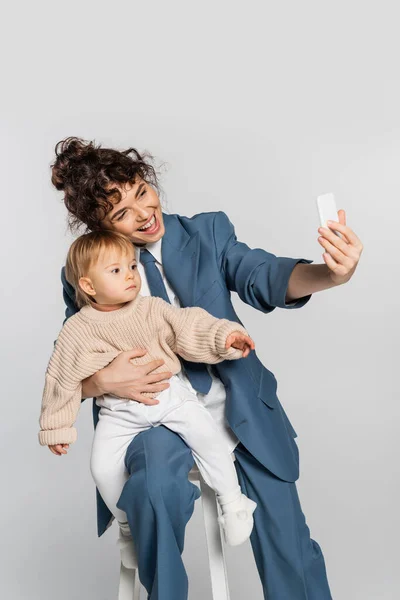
(91, 339)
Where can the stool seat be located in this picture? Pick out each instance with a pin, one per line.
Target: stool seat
(129, 584)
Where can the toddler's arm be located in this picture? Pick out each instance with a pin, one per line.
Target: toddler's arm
(200, 337)
(60, 408)
(71, 362)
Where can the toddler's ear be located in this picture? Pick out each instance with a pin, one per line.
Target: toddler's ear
(86, 285)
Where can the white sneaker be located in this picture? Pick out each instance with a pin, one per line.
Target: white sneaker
(237, 525)
(127, 550)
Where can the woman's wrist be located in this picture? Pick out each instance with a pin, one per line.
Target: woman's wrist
(102, 382)
(94, 385)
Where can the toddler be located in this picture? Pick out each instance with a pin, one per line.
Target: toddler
(113, 318)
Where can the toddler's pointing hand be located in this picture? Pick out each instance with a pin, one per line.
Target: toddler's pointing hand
(240, 341)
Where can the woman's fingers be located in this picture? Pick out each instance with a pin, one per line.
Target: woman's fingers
(157, 387)
(156, 377)
(144, 400)
(134, 353)
(151, 366)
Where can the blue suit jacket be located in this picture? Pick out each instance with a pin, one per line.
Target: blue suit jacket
(204, 262)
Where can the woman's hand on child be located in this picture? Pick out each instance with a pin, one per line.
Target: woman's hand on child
(126, 380)
(59, 449)
(240, 341)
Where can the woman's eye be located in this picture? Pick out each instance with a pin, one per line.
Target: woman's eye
(122, 215)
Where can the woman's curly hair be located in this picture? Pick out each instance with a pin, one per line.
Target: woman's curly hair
(88, 175)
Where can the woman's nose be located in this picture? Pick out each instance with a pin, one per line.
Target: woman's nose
(143, 214)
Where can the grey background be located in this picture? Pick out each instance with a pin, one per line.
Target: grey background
(253, 108)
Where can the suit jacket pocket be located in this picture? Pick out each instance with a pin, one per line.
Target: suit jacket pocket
(267, 389)
(210, 295)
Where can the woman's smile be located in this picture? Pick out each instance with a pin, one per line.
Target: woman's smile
(151, 226)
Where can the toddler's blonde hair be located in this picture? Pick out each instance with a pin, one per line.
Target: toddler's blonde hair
(85, 252)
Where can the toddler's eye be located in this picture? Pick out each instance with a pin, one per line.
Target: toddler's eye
(116, 270)
(133, 267)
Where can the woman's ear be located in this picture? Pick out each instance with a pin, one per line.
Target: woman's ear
(87, 286)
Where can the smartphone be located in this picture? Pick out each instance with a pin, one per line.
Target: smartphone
(327, 210)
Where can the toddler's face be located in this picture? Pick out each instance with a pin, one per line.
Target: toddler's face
(113, 279)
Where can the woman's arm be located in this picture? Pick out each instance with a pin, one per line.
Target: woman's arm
(123, 379)
(307, 279)
(259, 277)
(92, 386)
(266, 281)
(341, 257)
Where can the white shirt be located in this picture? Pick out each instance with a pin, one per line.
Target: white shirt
(215, 400)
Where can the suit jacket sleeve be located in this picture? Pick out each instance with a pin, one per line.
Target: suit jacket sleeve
(69, 297)
(259, 277)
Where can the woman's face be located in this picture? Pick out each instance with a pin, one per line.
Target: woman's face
(138, 215)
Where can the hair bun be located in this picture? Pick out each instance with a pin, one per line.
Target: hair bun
(68, 152)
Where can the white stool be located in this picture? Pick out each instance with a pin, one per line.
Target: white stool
(129, 584)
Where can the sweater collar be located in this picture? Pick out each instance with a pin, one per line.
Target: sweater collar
(89, 313)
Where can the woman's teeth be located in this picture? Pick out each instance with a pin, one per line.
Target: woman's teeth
(149, 224)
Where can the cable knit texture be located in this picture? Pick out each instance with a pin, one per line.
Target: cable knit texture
(91, 339)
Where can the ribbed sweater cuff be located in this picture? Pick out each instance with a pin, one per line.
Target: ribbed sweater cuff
(51, 437)
(220, 340)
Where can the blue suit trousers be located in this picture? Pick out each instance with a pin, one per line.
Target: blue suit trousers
(159, 500)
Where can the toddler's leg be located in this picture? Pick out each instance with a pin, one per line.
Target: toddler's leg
(113, 434)
(107, 460)
(198, 429)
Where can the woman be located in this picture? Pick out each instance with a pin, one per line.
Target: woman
(198, 261)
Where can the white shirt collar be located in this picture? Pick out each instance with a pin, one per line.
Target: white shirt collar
(154, 248)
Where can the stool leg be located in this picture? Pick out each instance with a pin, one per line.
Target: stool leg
(129, 584)
(216, 556)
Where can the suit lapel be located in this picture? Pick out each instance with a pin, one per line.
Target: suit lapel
(180, 259)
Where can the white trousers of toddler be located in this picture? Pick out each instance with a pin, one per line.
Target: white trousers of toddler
(179, 410)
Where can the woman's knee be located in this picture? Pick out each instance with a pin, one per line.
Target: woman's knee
(158, 449)
(159, 465)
